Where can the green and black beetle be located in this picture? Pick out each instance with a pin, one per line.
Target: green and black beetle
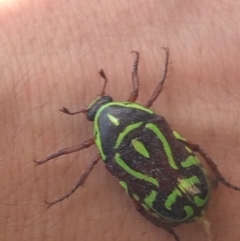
(154, 164)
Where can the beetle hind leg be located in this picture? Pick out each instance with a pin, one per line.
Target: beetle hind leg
(196, 148)
(153, 220)
(173, 233)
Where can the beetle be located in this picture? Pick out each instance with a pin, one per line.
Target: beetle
(155, 165)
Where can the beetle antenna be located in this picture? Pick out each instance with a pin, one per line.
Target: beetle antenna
(102, 74)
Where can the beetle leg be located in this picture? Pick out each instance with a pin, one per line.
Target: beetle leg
(103, 75)
(80, 182)
(66, 111)
(150, 218)
(153, 220)
(135, 79)
(196, 148)
(159, 87)
(68, 150)
(173, 233)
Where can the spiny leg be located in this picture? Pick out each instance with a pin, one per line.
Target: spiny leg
(135, 80)
(159, 87)
(66, 111)
(80, 182)
(153, 220)
(68, 150)
(103, 75)
(211, 164)
(102, 93)
(173, 233)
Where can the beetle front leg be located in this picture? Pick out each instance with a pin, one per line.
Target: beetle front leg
(196, 148)
(68, 112)
(135, 79)
(159, 87)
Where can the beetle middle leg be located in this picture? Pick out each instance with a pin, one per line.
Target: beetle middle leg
(214, 168)
(79, 183)
(84, 175)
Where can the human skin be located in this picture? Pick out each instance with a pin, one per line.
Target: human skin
(51, 52)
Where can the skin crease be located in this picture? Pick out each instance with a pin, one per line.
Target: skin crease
(51, 52)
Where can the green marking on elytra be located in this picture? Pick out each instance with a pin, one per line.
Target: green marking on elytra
(145, 206)
(113, 119)
(127, 105)
(187, 185)
(125, 132)
(148, 204)
(134, 173)
(197, 160)
(96, 124)
(93, 102)
(166, 146)
(171, 199)
(168, 204)
(200, 201)
(140, 148)
(189, 211)
(155, 215)
(188, 149)
(151, 198)
(124, 185)
(98, 142)
(135, 106)
(178, 136)
(190, 161)
(136, 197)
